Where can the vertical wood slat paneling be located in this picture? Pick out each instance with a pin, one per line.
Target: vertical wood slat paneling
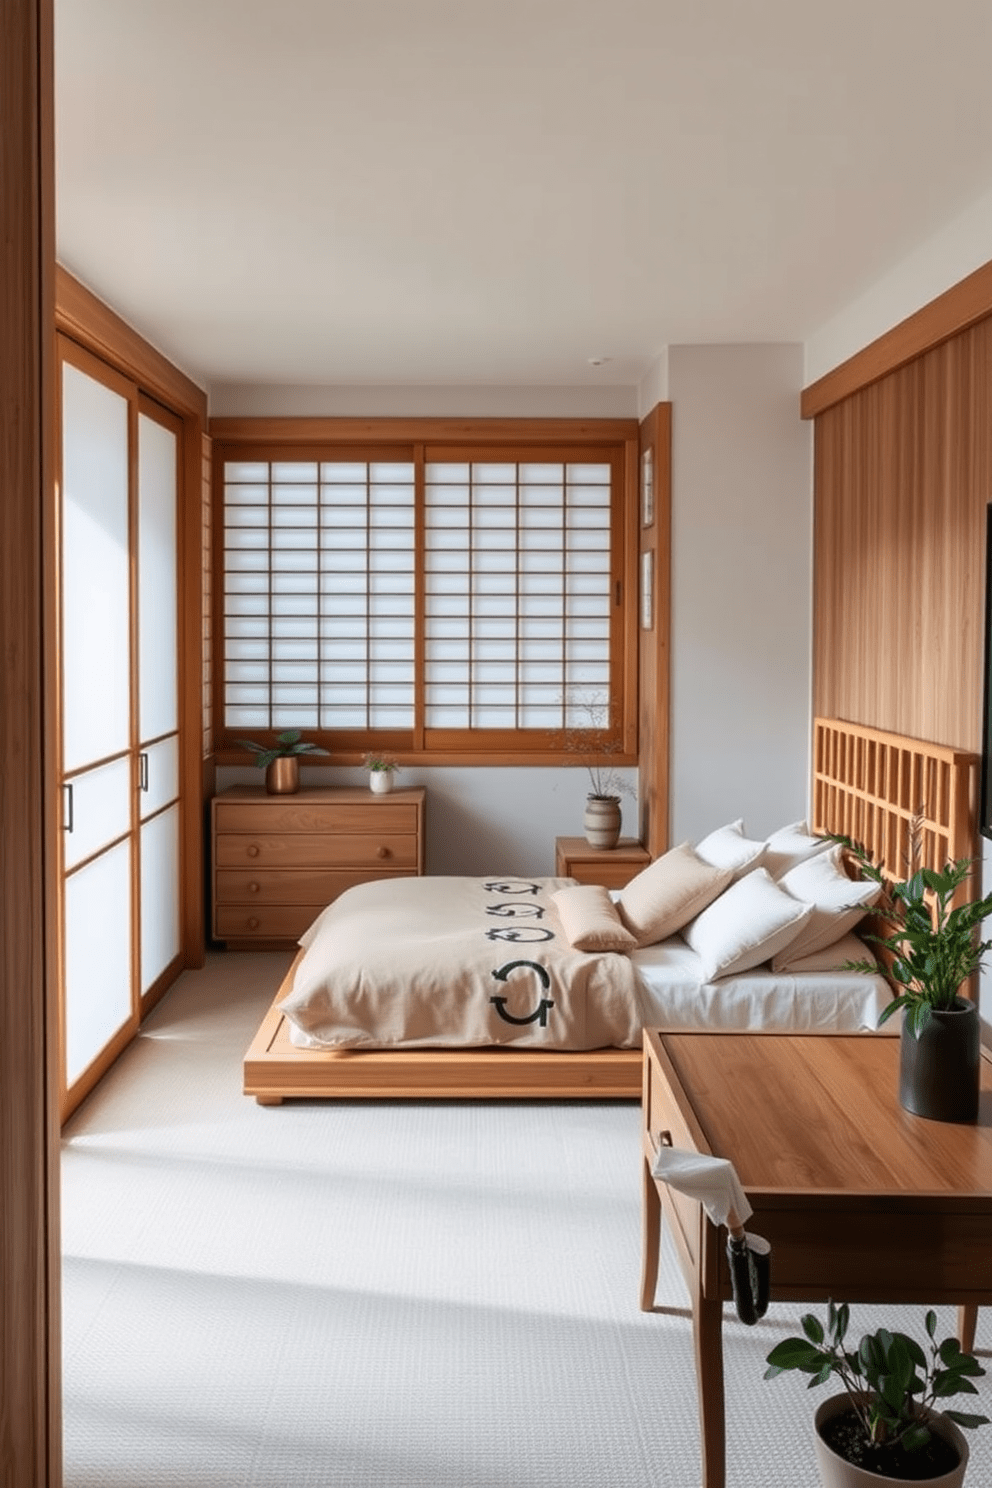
(903, 473)
(30, 1355)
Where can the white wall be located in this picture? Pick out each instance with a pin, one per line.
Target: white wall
(741, 588)
(482, 820)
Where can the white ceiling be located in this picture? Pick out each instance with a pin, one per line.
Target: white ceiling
(492, 192)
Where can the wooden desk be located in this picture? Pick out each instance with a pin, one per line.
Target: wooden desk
(860, 1200)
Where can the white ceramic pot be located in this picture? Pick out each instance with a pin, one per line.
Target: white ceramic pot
(837, 1472)
(602, 821)
(380, 782)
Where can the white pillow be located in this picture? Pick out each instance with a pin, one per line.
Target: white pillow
(839, 903)
(728, 847)
(746, 926)
(790, 846)
(666, 894)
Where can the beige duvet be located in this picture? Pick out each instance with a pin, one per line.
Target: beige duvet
(452, 962)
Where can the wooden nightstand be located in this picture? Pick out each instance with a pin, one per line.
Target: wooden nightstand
(278, 860)
(611, 866)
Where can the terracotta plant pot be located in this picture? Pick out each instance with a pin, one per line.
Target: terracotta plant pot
(940, 1072)
(837, 1472)
(602, 821)
(282, 777)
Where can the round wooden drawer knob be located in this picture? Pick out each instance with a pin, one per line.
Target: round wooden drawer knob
(253, 888)
(382, 852)
(252, 922)
(253, 850)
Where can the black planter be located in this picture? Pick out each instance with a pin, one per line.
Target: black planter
(939, 1072)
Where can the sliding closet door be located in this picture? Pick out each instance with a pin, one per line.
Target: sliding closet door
(96, 764)
(120, 929)
(158, 694)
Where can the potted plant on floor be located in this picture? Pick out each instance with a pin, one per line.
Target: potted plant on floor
(281, 760)
(884, 1427)
(381, 768)
(930, 949)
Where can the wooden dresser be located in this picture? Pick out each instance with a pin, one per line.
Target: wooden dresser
(278, 860)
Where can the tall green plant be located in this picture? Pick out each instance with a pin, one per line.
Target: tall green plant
(933, 944)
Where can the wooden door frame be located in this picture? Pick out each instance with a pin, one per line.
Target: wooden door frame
(30, 1342)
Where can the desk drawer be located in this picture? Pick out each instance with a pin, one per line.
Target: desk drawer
(306, 850)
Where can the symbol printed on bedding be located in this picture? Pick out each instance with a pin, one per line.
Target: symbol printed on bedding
(540, 1013)
(526, 933)
(516, 911)
(510, 886)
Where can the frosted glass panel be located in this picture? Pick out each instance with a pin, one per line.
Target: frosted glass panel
(97, 807)
(158, 775)
(159, 895)
(158, 687)
(95, 570)
(97, 957)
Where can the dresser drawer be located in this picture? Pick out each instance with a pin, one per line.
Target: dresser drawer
(380, 849)
(270, 886)
(263, 921)
(296, 815)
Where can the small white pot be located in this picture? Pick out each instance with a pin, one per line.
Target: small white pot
(837, 1472)
(380, 782)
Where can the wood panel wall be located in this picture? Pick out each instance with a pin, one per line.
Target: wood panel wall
(655, 643)
(30, 1355)
(903, 474)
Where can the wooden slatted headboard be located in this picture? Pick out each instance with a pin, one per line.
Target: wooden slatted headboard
(869, 785)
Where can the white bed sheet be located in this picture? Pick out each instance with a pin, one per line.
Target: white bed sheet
(676, 995)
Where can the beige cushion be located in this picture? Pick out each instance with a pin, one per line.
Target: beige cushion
(839, 903)
(668, 893)
(790, 846)
(746, 926)
(728, 847)
(833, 957)
(590, 920)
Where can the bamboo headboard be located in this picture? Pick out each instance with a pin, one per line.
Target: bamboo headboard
(869, 786)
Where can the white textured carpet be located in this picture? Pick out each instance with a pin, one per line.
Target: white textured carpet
(380, 1295)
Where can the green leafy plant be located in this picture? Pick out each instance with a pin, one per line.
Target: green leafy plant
(890, 1381)
(380, 762)
(932, 946)
(289, 742)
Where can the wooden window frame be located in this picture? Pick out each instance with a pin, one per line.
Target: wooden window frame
(438, 439)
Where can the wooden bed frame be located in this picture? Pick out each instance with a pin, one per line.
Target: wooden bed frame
(866, 784)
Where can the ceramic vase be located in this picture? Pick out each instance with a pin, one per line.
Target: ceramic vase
(940, 1072)
(837, 1472)
(282, 777)
(602, 821)
(380, 782)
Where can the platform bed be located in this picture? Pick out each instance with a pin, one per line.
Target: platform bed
(866, 784)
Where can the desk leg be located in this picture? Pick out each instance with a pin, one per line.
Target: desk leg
(650, 1237)
(967, 1318)
(707, 1330)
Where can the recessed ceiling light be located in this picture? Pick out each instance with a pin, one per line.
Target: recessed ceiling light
(598, 361)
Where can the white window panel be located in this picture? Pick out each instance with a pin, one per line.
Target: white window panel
(247, 470)
(293, 472)
(160, 943)
(96, 809)
(247, 717)
(97, 957)
(160, 776)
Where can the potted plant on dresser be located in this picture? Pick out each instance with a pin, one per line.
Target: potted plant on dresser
(930, 949)
(603, 816)
(281, 760)
(381, 768)
(884, 1427)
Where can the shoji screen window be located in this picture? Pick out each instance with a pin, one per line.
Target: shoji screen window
(319, 624)
(521, 583)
